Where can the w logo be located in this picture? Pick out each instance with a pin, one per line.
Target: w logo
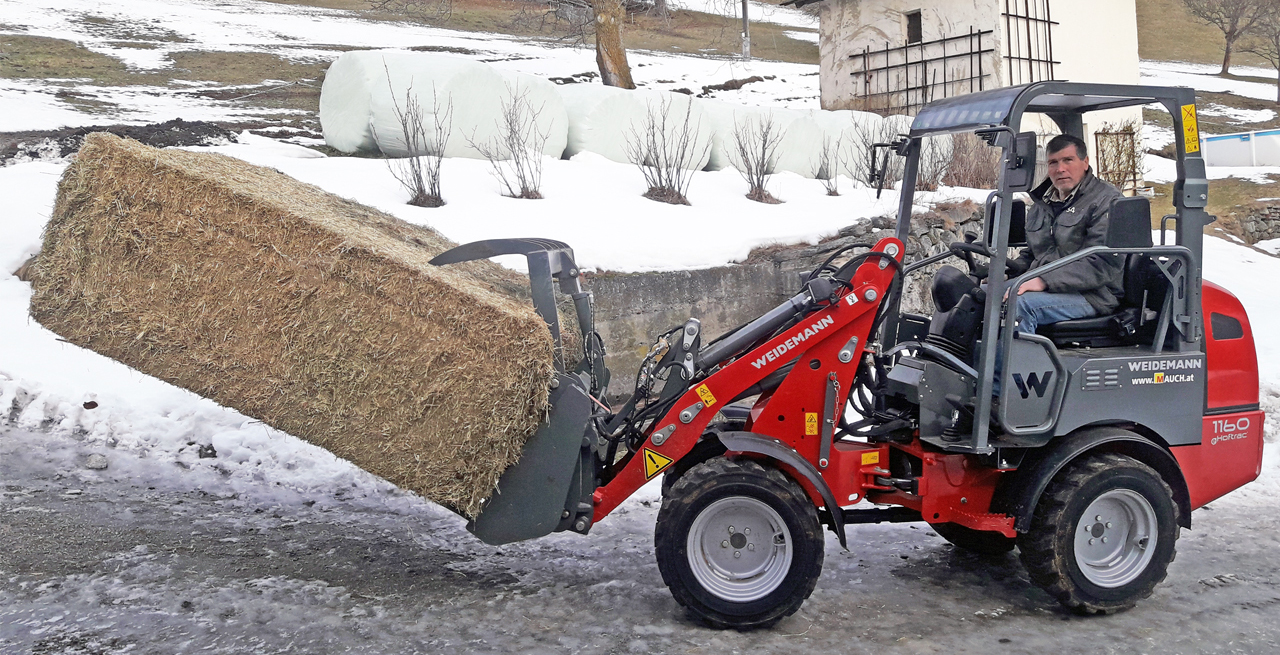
(1038, 385)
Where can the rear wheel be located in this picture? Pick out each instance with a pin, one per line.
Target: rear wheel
(1103, 534)
(978, 541)
(738, 544)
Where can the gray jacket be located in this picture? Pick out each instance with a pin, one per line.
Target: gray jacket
(1058, 229)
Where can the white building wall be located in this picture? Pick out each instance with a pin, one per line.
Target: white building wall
(1094, 41)
(1097, 41)
(849, 26)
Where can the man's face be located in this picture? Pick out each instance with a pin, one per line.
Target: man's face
(1066, 168)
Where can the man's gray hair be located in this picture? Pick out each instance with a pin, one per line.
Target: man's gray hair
(1060, 143)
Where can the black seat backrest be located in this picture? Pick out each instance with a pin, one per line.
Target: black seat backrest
(1130, 223)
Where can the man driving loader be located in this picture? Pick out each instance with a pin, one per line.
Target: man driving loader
(1069, 212)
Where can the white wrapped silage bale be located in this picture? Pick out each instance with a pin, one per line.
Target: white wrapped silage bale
(728, 118)
(364, 91)
(801, 147)
(603, 118)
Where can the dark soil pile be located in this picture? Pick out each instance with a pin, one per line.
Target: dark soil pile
(56, 144)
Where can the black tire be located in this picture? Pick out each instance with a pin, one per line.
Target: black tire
(723, 491)
(978, 541)
(1065, 550)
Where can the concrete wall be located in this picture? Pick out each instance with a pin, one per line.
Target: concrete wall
(631, 310)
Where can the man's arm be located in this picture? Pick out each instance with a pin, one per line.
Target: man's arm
(1091, 272)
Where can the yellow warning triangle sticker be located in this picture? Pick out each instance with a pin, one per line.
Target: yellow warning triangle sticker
(654, 463)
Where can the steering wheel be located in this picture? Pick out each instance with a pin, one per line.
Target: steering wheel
(967, 249)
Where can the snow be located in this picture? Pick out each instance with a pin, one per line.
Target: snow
(144, 33)
(1238, 115)
(151, 431)
(1205, 78)
(756, 12)
(1162, 169)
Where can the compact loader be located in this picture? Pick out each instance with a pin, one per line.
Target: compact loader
(837, 408)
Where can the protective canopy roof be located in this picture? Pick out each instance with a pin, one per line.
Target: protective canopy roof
(994, 107)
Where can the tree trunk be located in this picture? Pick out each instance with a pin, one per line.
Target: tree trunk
(1226, 58)
(746, 32)
(611, 57)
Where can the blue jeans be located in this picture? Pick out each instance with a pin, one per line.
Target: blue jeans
(1036, 308)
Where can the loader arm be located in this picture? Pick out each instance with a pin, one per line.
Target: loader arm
(834, 337)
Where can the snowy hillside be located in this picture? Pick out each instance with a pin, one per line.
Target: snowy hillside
(73, 404)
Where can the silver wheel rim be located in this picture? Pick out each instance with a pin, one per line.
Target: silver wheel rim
(739, 549)
(1116, 538)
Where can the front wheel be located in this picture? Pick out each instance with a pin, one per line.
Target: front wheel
(738, 544)
(1103, 534)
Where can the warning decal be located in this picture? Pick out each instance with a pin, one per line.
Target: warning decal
(1190, 130)
(654, 463)
(705, 394)
(810, 424)
(870, 458)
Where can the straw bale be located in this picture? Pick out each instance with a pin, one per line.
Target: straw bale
(317, 315)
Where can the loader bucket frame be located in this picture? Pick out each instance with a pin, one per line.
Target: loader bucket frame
(997, 115)
(550, 488)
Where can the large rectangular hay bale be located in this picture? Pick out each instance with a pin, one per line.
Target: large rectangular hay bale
(317, 315)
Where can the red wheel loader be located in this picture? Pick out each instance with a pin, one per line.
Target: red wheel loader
(837, 408)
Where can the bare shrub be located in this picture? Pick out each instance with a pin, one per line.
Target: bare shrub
(664, 150)
(419, 173)
(860, 153)
(516, 152)
(1118, 157)
(438, 10)
(755, 153)
(973, 163)
(935, 158)
(827, 166)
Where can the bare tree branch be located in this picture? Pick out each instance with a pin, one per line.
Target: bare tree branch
(1236, 18)
(755, 154)
(1265, 43)
(419, 173)
(515, 153)
(665, 149)
(827, 166)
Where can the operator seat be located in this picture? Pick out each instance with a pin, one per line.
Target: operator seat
(957, 319)
(1144, 287)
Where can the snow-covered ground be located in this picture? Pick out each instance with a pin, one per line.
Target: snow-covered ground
(1204, 77)
(68, 403)
(144, 33)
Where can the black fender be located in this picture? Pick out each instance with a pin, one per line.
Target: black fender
(1020, 490)
(750, 442)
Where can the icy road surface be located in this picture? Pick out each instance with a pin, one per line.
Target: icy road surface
(142, 559)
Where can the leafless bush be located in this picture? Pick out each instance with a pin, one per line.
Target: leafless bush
(935, 158)
(755, 153)
(1118, 157)
(441, 10)
(516, 152)
(972, 164)
(860, 151)
(664, 150)
(419, 173)
(827, 167)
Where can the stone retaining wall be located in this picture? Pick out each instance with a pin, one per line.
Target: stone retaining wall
(632, 309)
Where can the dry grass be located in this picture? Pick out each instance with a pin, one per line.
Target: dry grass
(686, 31)
(315, 314)
(1166, 32)
(1230, 199)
